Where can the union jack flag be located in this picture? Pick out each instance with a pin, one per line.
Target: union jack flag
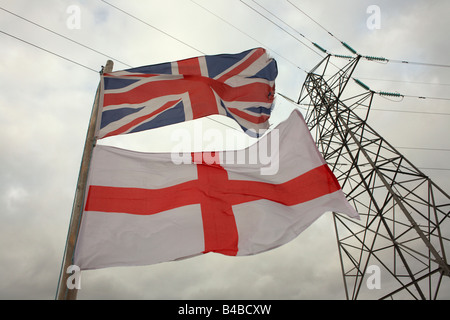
(240, 86)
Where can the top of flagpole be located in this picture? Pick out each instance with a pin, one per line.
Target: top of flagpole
(108, 67)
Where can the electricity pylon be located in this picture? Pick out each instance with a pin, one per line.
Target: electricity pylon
(398, 248)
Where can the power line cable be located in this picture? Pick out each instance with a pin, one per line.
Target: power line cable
(313, 20)
(283, 29)
(409, 111)
(280, 27)
(375, 109)
(282, 21)
(134, 17)
(152, 26)
(421, 168)
(322, 49)
(425, 98)
(368, 57)
(253, 38)
(420, 63)
(86, 67)
(301, 106)
(426, 149)
(441, 169)
(48, 51)
(62, 36)
(402, 81)
(396, 94)
(406, 81)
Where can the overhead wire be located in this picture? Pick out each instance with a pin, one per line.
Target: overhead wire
(420, 63)
(280, 27)
(367, 57)
(425, 97)
(50, 52)
(96, 51)
(313, 20)
(410, 111)
(411, 148)
(385, 94)
(322, 49)
(427, 149)
(248, 35)
(152, 26)
(169, 35)
(376, 109)
(295, 30)
(440, 169)
(283, 29)
(63, 36)
(108, 56)
(406, 81)
(96, 71)
(325, 51)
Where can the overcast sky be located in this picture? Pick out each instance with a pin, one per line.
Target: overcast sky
(45, 104)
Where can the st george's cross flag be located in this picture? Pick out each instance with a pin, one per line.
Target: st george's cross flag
(142, 208)
(240, 86)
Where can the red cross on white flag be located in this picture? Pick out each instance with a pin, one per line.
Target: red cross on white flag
(141, 208)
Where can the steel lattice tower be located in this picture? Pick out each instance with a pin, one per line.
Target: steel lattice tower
(404, 231)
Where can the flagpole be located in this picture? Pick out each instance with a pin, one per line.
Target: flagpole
(63, 292)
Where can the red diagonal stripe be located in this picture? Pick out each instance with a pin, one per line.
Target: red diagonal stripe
(202, 98)
(141, 119)
(196, 86)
